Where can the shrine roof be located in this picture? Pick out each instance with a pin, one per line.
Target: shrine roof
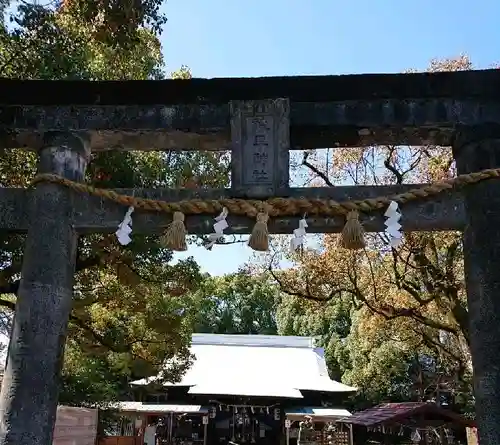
(317, 413)
(140, 407)
(398, 412)
(461, 84)
(254, 365)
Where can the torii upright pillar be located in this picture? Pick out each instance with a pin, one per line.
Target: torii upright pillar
(478, 149)
(30, 389)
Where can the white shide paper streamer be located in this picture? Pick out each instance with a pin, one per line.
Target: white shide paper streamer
(393, 227)
(125, 228)
(219, 227)
(299, 235)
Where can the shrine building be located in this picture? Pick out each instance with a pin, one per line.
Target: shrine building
(240, 388)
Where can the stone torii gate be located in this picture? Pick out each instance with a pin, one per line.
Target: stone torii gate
(65, 120)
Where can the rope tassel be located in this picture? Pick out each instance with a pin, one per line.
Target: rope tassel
(353, 234)
(259, 239)
(174, 237)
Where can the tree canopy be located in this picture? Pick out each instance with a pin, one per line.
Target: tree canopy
(128, 315)
(239, 303)
(392, 322)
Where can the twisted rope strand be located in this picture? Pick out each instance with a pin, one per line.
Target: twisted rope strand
(274, 206)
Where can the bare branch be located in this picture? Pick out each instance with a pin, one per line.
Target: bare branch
(388, 165)
(81, 264)
(315, 170)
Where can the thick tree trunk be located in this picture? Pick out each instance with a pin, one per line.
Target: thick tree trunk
(28, 399)
(476, 150)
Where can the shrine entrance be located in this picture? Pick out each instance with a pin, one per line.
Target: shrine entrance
(259, 120)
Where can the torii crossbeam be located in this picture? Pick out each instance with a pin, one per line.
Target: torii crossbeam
(65, 120)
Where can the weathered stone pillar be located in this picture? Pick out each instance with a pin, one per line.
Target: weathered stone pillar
(475, 150)
(28, 400)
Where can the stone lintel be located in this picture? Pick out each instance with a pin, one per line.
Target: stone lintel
(452, 84)
(417, 121)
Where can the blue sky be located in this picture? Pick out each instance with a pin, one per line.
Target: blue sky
(231, 38)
